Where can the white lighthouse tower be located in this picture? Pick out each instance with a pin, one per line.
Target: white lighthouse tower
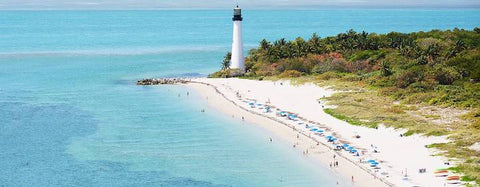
(238, 61)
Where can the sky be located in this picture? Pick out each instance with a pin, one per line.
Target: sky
(224, 4)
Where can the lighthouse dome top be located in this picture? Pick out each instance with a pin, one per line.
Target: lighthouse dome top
(237, 14)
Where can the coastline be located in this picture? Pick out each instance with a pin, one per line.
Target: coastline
(222, 94)
(317, 150)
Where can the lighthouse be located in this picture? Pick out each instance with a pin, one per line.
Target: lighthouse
(237, 61)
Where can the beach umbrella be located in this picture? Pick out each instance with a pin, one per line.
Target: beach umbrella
(345, 145)
(371, 161)
(320, 130)
(333, 139)
(353, 151)
(328, 137)
(350, 148)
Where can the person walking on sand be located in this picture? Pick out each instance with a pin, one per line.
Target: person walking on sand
(270, 139)
(352, 179)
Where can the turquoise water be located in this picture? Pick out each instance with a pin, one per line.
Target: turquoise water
(71, 115)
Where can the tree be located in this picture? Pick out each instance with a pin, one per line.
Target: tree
(264, 44)
(226, 61)
(459, 47)
(314, 44)
(477, 30)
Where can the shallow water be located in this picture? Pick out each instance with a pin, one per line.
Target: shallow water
(70, 113)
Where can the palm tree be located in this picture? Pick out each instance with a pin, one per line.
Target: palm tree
(264, 44)
(459, 47)
(314, 45)
(226, 61)
(432, 51)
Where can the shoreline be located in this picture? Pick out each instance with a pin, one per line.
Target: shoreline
(317, 150)
(401, 159)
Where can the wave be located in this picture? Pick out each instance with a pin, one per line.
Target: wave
(119, 51)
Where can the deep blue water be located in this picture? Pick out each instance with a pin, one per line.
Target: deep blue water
(70, 114)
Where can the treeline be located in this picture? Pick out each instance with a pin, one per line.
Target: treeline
(438, 67)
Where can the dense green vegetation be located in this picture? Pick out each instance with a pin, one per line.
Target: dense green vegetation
(435, 67)
(439, 68)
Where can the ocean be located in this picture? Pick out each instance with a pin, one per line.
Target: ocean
(71, 114)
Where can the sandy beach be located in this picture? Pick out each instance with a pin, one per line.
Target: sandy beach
(399, 158)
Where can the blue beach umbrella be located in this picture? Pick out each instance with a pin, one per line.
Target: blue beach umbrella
(333, 139)
(371, 161)
(350, 148)
(345, 145)
(353, 151)
(320, 130)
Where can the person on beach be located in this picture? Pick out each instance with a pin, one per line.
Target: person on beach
(352, 179)
(336, 163)
(243, 119)
(270, 139)
(188, 93)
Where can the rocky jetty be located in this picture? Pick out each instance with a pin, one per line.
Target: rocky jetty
(162, 81)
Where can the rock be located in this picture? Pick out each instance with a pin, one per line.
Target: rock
(162, 81)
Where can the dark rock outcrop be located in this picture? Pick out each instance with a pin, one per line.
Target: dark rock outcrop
(162, 81)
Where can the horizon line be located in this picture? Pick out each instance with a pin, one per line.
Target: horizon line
(462, 7)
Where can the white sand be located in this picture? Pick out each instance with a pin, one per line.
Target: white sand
(396, 154)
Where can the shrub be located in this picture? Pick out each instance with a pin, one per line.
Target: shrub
(351, 77)
(329, 64)
(290, 73)
(405, 78)
(226, 73)
(445, 75)
(328, 75)
(297, 64)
